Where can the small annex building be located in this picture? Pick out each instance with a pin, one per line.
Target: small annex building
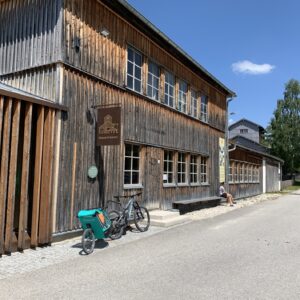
(252, 169)
(95, 102)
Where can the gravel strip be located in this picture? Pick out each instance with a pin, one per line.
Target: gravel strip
(211, 212)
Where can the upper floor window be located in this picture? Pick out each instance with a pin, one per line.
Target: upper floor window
(153, 81)
(134, 70)
(203, 169)
(182, 96)
(169, 89)
(168, 167)
(194, 169)
(244, 130)
(236, 172)
(132, 162)
(194, 104)
(203, 112)
(181, 168)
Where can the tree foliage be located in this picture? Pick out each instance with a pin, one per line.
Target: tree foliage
(283, 133)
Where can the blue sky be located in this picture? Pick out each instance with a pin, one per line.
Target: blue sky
(253, 47)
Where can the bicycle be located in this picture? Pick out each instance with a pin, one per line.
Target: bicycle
(132, 212)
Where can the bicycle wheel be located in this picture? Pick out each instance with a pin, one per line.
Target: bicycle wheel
(88, 241)
(117, 228)
(141, 218)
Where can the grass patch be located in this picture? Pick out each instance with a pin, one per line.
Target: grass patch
(292, 188)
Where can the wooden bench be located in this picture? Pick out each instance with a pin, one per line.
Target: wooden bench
(188, 205)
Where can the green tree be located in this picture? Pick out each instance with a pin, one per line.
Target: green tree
(283, 133)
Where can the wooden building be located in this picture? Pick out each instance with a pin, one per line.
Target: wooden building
(65, 63)
(252, 170)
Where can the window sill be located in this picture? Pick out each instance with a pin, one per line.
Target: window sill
(205, 184)
(132, 186)
(183, 185)
(169, 185)
(195, 184)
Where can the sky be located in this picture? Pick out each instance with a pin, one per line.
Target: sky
(253, 47)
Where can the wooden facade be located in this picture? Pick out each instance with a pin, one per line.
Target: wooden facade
(27, 145)
(54, 49)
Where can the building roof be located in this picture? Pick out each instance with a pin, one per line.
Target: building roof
(241, 140)
(261, 128)
(144, 25)
(12, 92)
(265, 154)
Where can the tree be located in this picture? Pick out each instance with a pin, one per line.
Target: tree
(283, 133)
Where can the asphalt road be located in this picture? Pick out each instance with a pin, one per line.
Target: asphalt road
(249, 253)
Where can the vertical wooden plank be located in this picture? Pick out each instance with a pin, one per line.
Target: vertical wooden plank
(45, 185)
(37, 176)
(73, 183)
(51, 168)
(4, 168)
(1, 117)
(12, 175)
(25, 177)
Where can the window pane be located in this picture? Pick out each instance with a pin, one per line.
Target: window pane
(129, 68)
(135, 151)
(135, 177)
(127, 164)
(130, 82)
(135, 164)
(137, 72)
(137, 85)
(130, 54)
(138, 59)
(127, 177)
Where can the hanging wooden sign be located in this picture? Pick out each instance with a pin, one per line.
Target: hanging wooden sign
(109, 126)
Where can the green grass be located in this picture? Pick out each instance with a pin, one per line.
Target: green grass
(292, 188)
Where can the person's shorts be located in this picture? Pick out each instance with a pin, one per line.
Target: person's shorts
(224, 195)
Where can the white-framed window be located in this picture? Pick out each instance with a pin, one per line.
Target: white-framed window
(194, 169)
(169, 88)
(236, 172)
(244, 130)
(231, 166)
(153, 81)
(168, 166)
(194, 104)
(181, 168)
(246, 173)
(134, 70)
(241, 172)
(203, 170)
(182, 96)
(250, 173)
(203, 111)
(132, 164)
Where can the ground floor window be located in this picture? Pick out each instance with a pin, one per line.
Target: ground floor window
(181, 168)
(203, 170)
(194, 169)
(132, 164)
(168, 167)
(240, 172)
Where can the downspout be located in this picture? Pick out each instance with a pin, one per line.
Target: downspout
(226, 145)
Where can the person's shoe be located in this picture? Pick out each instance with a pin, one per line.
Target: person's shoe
(234, 202)
(231, 204)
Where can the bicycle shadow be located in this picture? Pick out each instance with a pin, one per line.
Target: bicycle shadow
(99, 244)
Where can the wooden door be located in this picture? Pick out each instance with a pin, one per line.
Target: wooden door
(153, 178)
(26, 159)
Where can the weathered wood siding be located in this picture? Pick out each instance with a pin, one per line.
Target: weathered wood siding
(144, 122)
(105, 57)
(42, 81)
(272, 182)
(26, 160)
(30, 34)
(241, 190)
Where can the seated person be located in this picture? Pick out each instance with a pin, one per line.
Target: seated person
(226, 195)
